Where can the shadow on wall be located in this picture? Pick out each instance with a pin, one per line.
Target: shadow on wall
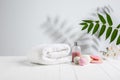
(63, 33)
(60, 31)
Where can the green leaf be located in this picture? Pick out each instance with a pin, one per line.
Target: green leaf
(114, 34)
(102, 30)
(83, 23)
(90, 27)
(101, 18)
(118, 26)
(118, 40)
(95, 28)
(84, 27)
(88, 21)
(109, 19)
(109, 30)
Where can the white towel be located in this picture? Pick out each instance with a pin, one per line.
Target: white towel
(56, 51)
(50, 54)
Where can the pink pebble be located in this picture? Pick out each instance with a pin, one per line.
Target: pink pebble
(94, 57)
(82, 61)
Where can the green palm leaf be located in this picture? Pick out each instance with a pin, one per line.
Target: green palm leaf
(102, 30)
(85, 26)
(101, 18)
(95, 28)
(109, 19)
(109, 30)
(114, 34)
(118, 40)
(90, 27)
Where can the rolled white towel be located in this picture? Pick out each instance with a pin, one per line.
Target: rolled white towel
(56, 51)
(50, 54)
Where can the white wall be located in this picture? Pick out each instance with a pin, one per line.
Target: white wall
(20, 20)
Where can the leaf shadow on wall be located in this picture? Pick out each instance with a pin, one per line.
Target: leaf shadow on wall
(61, 32)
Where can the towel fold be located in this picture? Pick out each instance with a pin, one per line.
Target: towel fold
(50, 54)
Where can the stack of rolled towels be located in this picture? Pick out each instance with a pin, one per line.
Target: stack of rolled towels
(50, 54)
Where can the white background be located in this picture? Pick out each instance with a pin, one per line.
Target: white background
(20, 20)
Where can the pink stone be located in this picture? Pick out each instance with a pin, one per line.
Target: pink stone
(94, 57)
(82, 61)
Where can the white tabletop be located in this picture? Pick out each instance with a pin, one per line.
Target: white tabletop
(18, 68)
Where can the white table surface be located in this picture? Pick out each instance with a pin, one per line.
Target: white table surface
(18, 68)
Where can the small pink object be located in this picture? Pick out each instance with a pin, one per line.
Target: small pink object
(74, 54)
(94, 57)
(82, 61)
